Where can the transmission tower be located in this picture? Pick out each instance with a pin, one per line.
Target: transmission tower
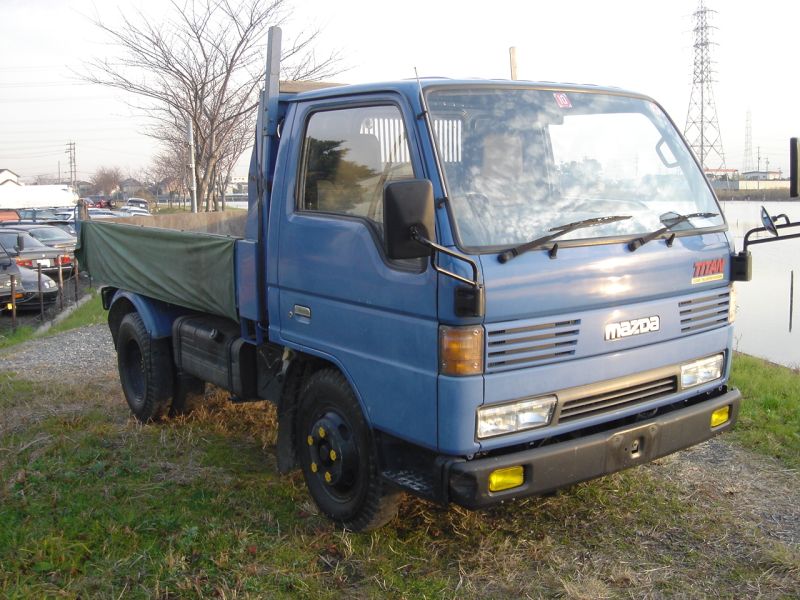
(747, 160)
(73, 165)
(702, 127)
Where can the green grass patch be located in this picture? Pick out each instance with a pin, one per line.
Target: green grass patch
(12, 338)
(770, 417)
(90, 312)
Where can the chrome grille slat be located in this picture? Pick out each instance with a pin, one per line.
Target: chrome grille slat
(517, 347)
(706, 312)
(582, 407)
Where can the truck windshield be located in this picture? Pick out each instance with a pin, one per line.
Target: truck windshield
(520, 161)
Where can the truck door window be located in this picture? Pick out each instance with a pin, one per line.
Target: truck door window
(348, 157)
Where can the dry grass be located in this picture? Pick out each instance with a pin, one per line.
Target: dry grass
(98, 505)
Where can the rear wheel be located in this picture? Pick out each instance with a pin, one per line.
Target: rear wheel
(145, 369)
(338, 457)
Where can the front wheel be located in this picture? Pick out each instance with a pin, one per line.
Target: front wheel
(338, 457)
(145, 369)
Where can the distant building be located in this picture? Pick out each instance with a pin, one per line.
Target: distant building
(84, 188)
(762, 175)
(8, 177)
(722, 174)
(130, 187)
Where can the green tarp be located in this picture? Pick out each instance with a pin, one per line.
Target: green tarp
(190, 269)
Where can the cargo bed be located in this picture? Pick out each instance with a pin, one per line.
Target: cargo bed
(182, 259)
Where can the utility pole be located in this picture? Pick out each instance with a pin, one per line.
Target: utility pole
(192, 176)
(512, 57)
(73, 168)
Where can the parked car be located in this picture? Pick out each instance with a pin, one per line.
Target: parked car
(102, 213)
(8, 215)
(67, 225)
(49, 235)
(133, 211)
(138, 203)
(28, 299)
(8, 267)
(97, 201)
(29, 252)
(36, 215)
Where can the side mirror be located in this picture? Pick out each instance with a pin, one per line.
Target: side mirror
(408, 205)
(767, 222)
(20, 242)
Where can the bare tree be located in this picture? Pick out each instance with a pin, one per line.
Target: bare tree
(203, 63)
(169, 170)
(106, 180)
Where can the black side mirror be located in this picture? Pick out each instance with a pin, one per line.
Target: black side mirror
(767, 222)
(21, 242)
(408, 207)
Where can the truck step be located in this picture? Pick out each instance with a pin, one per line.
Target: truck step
(418, 483)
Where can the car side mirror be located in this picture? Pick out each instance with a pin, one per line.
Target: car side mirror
(768, 222)
(407, 216)
(20, 242)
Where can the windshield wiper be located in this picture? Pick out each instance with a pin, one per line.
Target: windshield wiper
(669, 223)
(559, 231)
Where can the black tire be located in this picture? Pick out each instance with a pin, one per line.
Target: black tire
(145, 370)
(338, 457)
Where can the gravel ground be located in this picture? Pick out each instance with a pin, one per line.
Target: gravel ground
(85, 352)
(716, 473)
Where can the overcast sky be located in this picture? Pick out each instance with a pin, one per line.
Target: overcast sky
(643, 45)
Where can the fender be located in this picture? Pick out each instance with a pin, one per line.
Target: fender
(157, 316)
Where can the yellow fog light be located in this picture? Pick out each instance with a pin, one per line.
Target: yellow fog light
(461, 350)
(720, 416)
(507, 478)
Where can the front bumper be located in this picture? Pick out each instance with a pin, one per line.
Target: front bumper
(565, 463)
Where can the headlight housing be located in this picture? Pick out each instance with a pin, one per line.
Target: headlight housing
(702, 371)
(516, 416)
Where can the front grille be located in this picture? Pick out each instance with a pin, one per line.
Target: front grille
(616, 399)
(520, 347)
(700, 314)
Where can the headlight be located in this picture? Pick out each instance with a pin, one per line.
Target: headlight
(518, 416)
(702, 371)
(50, 284)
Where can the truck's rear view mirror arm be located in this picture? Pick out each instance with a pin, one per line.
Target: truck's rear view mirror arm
(741, 263)
(409, 225)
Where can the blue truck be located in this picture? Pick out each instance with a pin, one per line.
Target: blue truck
(472, 291)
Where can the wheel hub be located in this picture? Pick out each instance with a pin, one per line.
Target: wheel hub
(333, 455)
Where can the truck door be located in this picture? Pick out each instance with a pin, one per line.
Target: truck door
(339, 296)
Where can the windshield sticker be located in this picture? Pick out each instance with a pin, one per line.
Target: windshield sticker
(562, 100)
(708, 270)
